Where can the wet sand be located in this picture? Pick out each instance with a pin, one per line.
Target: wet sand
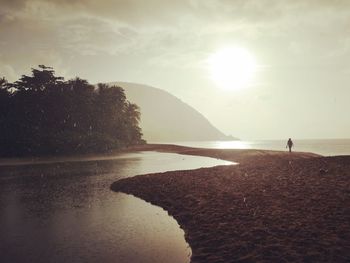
(272, 207)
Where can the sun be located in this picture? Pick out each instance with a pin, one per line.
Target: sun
(232, 68)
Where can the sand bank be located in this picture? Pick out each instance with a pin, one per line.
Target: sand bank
(272, 207)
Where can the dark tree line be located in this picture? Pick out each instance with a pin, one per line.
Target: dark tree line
(43, 114)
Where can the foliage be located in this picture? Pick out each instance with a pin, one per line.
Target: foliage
(44, 114)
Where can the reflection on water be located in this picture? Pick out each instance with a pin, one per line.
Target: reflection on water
(215, 144)
(56, 212)
(231, 145)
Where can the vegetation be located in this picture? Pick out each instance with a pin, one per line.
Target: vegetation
(43, 114)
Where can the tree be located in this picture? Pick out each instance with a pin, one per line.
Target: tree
(40, 80)
(4, 106)
(132, 119)
(44, 114)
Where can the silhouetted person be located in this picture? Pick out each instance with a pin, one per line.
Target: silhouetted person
(289, 144)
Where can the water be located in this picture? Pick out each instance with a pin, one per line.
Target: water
(323, 147)
(65, 212)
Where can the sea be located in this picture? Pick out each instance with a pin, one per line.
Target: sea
(325, 147)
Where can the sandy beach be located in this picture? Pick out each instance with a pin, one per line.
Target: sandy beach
(272, 207)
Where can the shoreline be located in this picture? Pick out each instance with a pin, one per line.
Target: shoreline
(233, 155)
(225, 154)
(272, 207)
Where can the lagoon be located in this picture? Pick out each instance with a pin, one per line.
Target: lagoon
(65, 211)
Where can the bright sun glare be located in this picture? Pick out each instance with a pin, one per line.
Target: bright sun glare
(232, 68)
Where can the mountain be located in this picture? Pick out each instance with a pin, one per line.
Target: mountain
(165, 118)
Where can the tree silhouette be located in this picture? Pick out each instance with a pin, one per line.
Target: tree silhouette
(44, 114)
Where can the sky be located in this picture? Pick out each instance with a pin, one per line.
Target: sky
(300, 89)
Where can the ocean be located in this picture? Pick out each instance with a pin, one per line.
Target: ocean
(326, 147)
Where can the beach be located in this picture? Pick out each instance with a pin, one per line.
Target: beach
(271, 207)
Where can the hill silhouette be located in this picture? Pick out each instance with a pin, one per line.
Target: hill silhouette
(165, 118)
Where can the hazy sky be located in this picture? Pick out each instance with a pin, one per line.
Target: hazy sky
(300, 90)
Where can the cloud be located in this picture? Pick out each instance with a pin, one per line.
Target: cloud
(169, 33)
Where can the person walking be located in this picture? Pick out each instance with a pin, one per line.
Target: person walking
(289, 144)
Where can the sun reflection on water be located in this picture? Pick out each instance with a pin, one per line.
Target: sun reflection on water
(232, 145)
